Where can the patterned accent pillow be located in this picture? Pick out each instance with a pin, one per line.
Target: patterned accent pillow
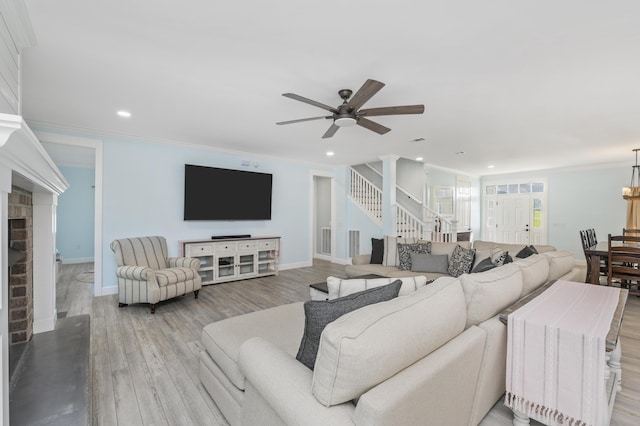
(461, 261)
(405, 250)
(502, 259)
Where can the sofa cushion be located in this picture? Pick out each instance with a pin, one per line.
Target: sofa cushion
(447, 248)
(425, 262)
(513, 248)
(535, 271)
(391, 257)
(377, 251)
(366, 347)
(282, 326)
(405, 250)
(319, 313)
(560, 263)
(487, 293)
(461, 261)
(339, 287)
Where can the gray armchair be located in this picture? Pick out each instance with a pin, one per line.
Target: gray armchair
(147, 275)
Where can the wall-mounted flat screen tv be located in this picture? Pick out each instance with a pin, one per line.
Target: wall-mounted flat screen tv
(212, 193)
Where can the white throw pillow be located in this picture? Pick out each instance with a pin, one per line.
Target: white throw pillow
(391, 257)
(366, 347)
(339, 287)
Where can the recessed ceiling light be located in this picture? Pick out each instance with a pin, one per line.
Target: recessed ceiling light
(419, 158)
(418, 140)
(123, 113)
(330, 153)
(459, 152)
(491, 166)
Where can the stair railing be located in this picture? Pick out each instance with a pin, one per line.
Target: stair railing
(367, 195)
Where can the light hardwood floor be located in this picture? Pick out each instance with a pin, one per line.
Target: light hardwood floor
(145, 367)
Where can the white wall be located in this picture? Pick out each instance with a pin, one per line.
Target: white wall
(580, 199)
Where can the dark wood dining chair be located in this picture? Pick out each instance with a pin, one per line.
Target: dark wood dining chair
(624, 261)
(627, 231)
(587, 242)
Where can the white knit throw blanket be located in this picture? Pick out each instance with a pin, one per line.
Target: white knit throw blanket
(556, 354)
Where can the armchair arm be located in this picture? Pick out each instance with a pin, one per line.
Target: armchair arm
(140, 273)
(183, 262)
(285, 385)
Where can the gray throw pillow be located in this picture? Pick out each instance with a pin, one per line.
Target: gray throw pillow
(377, 251)
(526, 252)
(483, 265)
(461, 261)
(319, 313)
(405, 250)
(425, 262)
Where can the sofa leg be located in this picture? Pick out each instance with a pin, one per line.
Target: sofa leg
(153, 308)
(121, 305)
(195, 293)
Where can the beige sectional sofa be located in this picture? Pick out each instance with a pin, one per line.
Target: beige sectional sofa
(435, 355)
(361, 266)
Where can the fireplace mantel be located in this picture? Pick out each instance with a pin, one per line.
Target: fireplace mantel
(21, 152)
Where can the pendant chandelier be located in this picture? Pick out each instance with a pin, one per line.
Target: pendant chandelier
(632, 192)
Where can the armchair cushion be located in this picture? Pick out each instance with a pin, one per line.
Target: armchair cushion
(174, 275)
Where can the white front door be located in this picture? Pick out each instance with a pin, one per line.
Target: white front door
(512, 220)
(515, 213)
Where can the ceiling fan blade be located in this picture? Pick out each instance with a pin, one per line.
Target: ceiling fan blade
(372, 125)
(310, 102)
(332, 131)
(300, 120)
(393, 110)
(366, 92)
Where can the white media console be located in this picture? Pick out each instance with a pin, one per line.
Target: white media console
(231, 259)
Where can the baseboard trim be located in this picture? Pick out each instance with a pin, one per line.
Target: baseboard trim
(77, 260)
(295, 265)
(44, 325)
(106, 291)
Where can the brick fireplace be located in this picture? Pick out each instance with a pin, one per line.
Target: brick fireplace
(20, 206)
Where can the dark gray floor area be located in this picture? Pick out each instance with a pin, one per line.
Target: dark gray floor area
(51, 384)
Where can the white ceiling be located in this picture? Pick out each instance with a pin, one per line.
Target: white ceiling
(522, 85)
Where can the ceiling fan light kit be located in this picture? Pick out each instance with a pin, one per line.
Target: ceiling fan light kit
(349, 112)
(345, 121)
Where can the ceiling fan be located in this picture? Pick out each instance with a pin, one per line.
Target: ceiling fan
(349, 113)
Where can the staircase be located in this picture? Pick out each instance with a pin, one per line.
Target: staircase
(431, 226)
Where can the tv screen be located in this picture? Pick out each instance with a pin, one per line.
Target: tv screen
(211, 193)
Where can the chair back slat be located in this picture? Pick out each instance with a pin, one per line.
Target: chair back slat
(141, 251)
(624, 259)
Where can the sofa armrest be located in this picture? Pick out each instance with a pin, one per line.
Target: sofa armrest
(361, 259)
(285, 385)
(183, 262)
(139, 273)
